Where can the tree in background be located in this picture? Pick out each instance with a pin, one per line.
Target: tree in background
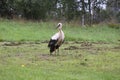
(90, 13)
(86, 11)
(6, 9)
(113, 8)
(34, 9)
(67, 9)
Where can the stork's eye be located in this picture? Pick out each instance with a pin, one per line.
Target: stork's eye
(58, 25)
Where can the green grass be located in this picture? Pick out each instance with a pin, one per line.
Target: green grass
(22, 44)
(99, 62)
(35, 31)
(24, 31)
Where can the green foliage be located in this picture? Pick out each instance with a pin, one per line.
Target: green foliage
(29, 9)
(118, 17)
(60, 10)
(69, 9)
(104, 15)
(33, 9)
(114, 25)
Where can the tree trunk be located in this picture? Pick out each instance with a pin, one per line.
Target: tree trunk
(83, 20)
(90, 20)
(83, 13)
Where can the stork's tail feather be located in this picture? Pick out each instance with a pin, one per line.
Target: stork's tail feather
(51, 45)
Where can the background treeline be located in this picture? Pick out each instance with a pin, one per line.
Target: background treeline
(86, 11)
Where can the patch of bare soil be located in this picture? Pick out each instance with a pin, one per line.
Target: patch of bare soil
(71, 48)
(18, 43)
(11, 43)
(89, 43)
(66, 42)
(118, 47)
(83, 45)
(90, 46)
(46, 41)
(86, 44)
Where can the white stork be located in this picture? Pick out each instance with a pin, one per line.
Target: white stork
(56, 40)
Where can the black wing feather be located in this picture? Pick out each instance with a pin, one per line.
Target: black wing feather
(52, 45)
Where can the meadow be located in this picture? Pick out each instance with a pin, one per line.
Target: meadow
(89, 53)
(41, 31)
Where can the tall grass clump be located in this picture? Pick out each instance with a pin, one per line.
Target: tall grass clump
(114, 25)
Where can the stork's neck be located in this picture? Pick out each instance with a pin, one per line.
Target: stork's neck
(59, 30)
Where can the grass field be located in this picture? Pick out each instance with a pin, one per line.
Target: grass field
(35, 31)
(91, 53)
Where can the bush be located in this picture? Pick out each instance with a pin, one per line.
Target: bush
(114, 25)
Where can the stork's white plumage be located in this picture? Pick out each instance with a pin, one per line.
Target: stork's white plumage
(57, 39)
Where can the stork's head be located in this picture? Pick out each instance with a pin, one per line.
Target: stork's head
(59, 26)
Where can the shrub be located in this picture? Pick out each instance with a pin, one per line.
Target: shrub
(114, 25)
